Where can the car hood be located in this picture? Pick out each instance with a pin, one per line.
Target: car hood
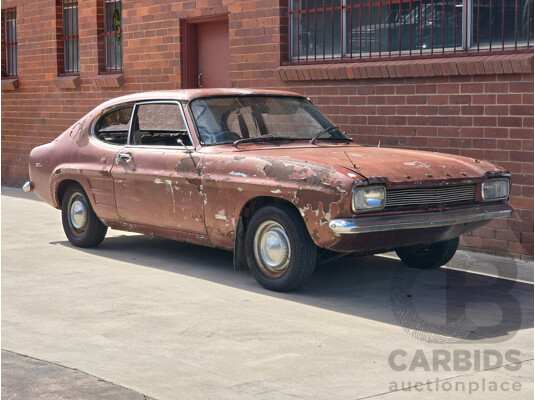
(390, 165)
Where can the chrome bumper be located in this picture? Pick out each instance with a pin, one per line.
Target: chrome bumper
(420, 220)
(27, 187)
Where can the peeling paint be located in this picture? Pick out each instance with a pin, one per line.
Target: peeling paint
(237, 174)
(169, 188)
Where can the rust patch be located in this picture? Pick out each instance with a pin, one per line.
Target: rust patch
(194, 181)
(310, 197)
(187, 164)
(312, 175)
(83, 140)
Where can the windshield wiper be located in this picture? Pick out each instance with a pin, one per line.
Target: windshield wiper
(263, 138)
(317, 135)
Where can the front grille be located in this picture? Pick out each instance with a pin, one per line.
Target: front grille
(429, 196)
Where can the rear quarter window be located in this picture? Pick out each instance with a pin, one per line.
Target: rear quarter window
(113, 126)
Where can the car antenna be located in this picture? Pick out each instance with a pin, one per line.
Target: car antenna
(351, 162)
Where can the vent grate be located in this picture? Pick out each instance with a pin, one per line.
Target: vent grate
(430, 196)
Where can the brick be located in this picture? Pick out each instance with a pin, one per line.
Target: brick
(520, 248)
(521, 110)
(450, 88)
(460, 99)
(495, 244)
(520, 87)
(439, 99)
(472, 105)
(510, 121)
(509, 98)
(472, 241)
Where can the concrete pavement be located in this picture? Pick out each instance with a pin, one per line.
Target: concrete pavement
(172, 320)
(29, 378)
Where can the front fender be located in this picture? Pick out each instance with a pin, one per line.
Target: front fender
(319, 193)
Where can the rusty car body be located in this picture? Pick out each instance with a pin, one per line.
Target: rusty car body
(264, 174)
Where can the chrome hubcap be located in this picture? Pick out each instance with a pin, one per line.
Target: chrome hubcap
(272, 248)
(78, 213)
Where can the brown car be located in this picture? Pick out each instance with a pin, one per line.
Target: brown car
(262, 173)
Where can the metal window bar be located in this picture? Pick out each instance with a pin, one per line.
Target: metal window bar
(71, 58)
(113, 35)
(407, 28)
(10, 42)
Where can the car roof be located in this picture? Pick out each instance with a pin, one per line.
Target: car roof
(190, 94)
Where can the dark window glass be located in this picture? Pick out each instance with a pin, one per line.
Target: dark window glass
(71, 59)
(348, 29)
(113, 126)
(227, 119)
(113, 35)
(10, 42)
(501, 23)
(159, 124)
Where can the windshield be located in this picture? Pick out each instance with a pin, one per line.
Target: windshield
(228, 119)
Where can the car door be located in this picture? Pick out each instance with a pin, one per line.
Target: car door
(157, 174)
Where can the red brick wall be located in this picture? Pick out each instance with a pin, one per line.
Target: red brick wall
(484, 111)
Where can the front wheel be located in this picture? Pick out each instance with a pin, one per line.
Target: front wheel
(80, 223)
(428, 256)
(280, 253)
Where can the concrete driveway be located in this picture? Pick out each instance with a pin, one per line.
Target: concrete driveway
(173, 321)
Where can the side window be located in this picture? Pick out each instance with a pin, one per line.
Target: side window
(159, 124)
(113, 126)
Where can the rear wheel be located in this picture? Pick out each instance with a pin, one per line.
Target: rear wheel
(80, 223)
(428, 256)
(279, 251)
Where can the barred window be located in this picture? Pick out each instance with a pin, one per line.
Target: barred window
(11, 67)
(322, 30)
(71, 58)
(113, 35)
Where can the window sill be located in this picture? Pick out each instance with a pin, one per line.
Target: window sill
(67, 81)
(109, 80)
(452, 66)
(10, 83)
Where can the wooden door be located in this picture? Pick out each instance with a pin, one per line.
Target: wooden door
(207, 60)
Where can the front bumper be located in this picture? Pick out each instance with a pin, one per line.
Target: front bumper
(27, 187)
(420, 220)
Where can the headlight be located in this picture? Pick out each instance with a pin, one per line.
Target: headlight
(495, 189)
(368, 198)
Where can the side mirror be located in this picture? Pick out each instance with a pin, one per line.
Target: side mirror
(181, 143)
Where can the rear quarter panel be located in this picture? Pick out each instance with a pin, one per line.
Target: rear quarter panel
(76, 156)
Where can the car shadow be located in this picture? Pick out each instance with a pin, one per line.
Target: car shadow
(436, 305)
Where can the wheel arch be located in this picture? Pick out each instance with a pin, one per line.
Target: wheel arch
(246, 212)
(62, 188)
(252, 205)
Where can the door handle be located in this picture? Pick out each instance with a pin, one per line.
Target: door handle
(123, 156)
(199, 80)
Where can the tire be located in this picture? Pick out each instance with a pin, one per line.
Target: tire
(80, 223)
(429, 256)
(278, 248)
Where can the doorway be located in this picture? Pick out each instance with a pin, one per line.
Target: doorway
(206, 62)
